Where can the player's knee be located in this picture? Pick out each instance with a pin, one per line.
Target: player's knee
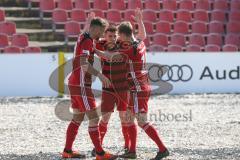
(94, 121)
(78, 118)
(141, 121)
(105, 117)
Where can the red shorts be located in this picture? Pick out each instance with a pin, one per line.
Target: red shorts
(109, 99)
(82, 98)
(139, 101)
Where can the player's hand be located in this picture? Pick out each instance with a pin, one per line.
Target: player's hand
(91, 15)
(138, 15)
(105, 81)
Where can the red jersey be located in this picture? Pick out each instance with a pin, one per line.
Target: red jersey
(83, 47)
(115, 71)
(138, 76)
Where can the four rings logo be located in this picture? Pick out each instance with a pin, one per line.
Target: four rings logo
(172, 73)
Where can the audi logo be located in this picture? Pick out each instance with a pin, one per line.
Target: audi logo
(174, 73)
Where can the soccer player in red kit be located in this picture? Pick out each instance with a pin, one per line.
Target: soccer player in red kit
(139, 89)
(82, 98)
(118, 93)
(117, 73)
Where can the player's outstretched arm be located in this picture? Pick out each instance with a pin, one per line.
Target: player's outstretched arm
(113, 56)
(87, 67)
(141, 28)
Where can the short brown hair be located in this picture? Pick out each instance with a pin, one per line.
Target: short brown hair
(111, 28)
(97, 21)
(125, 28)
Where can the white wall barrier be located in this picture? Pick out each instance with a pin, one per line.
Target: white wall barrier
(28, 74)
(200, 72)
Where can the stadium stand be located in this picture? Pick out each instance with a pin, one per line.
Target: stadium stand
(184, 15)
(78, 15)
(178, 39)
(181, 27)
(199, 22)
(133, 4)
(220, 4)
(72, 29)
(175, 48)
(3, 41)
(218, 15)
(234, 15)
(169, 4)
(149, 27)
(166, 15)
(12, 49)
(163, 27)
(154, 48)
(118, 4)
(100, 4)
(59, 16)
(212, 48)
(149, 15)
(215, 39)
(152, 4)
(20, 40)
(233, 39)
(2, 15)
(65, 4)
(230, 48)
(98, 12)
(201, 15)
(114, 16)
(199, 27)
(32, 50)
(193, 48)
(46, 6)
(160, 39)
(216, 27)
(203, 4)
(235, 5)
(82, 4)
(197, 39)
(186, 4)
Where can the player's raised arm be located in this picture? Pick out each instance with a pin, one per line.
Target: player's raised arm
(91, 15)
(141, 28)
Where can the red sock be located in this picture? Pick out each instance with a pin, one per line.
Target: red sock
(132, 131)
(72, 131)
(152, 133)
(125, 135)
(102, 130)
(95, 137)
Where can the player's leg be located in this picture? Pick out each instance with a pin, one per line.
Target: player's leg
(125, 123)
(131, 129)
(132, 135)
(153, 134)
(102, 128)
(122, 104)
(103, 124)
(93, 131)
(141, 115)
(107, 107)
(72, 129)
(71, 134)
